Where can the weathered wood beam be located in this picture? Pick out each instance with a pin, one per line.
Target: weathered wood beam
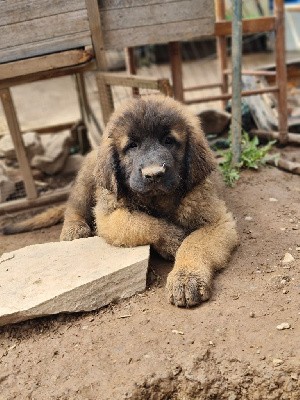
(257, 25)
(44, 63)
(270, 89)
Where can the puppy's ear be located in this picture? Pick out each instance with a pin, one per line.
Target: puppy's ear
(107, 165)
(199, 158)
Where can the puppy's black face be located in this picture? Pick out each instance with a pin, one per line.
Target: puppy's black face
(151, 148)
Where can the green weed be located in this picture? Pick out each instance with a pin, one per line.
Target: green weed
(252, 156)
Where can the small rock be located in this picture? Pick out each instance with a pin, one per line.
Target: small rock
(282, 229)
(57, 147)
(285, 291)
(125, 316)
(177, 332)
(295, 228)
(287, 258)
(32, 143)
(252, 315)
(272, 199)
(283, 325)
(298, 248)
(232, 396)
(248, 218)
(277, 362)
(294, 376)
(7, 186)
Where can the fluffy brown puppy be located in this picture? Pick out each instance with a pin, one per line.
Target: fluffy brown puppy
(148, 183)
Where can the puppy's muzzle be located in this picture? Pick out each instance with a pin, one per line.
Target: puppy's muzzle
(153, 173)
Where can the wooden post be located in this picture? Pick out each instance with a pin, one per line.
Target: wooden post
(236, 122)
(281, 73)
(16, 135)
(176, 69)
(105, 93)
(131, 66)
(222, 49)
(87, 114)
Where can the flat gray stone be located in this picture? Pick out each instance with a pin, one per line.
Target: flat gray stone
(81, 275)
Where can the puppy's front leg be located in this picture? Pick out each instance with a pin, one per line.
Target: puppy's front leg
(78, 214)
(201, 253)
(124, 228)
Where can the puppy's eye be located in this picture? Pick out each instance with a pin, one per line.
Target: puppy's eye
(130, 145)
(169, 140)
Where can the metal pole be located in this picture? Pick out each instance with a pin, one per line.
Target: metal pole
(236, 122)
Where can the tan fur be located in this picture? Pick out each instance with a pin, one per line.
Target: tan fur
(198, 232)
(51, 216)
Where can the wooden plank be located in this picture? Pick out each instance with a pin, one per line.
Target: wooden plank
(16, 11)
(66, 42)
(44, 63)
(203, 87)
(176, 69)
(245, 93)
(114, 4)
(120, 79)
(254, 72)
(96, 29)
(25, 204)
(263, 24)
(130, 61)
(221, 44)
(156, 14)
(293, 138)
(16, 136)
(73, 69)
(43, 29)
(281, 74)
(105, 96)
(104, 91)
(174, 31)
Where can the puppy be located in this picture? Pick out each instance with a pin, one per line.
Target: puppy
(149, 183)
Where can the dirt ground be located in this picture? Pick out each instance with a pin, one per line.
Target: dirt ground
(144, 348)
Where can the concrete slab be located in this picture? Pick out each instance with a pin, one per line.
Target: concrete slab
(81, 275)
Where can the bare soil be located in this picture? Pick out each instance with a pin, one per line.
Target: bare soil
(145, 348)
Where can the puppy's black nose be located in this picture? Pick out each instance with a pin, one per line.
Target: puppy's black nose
(153, 172)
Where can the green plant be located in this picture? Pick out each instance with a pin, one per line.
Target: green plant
(252, 156)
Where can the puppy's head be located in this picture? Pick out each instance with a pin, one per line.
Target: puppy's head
(153, 145)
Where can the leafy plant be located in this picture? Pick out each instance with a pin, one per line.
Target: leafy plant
(252, 156)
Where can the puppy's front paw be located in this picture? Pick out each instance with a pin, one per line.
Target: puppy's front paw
(75, 230)
(187, 289)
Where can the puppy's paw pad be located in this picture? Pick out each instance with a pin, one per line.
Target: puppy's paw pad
(75, 231)
(187, 289)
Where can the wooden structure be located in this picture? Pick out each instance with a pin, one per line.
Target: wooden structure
(274, 23)
(120, 24)
(147, 22)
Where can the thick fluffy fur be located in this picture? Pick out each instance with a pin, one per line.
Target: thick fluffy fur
(149, 183)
